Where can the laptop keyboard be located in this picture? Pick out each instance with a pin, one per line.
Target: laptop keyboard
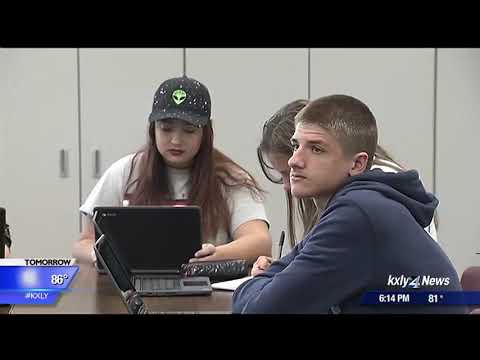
(156, 284)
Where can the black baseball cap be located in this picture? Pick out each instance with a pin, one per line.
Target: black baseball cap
(182, 98)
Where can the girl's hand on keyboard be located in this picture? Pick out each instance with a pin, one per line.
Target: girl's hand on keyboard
(205, 253)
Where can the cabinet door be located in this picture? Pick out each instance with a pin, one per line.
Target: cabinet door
(117, 88)
(397, 85)
(3, 120)
(247, 86)
(39, 157)
(458, 126)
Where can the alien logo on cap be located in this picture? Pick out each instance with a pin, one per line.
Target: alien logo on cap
(179, 96)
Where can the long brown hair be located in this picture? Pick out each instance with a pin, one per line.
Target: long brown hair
(383, 158)
(276, 135)
(206, 189)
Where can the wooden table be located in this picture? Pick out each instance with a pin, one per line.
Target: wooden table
(94, 293)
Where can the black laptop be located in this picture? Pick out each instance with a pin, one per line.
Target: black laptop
(151, 238)
(158, 284)
(151, 243)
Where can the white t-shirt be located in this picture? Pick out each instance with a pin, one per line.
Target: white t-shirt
(391, 167)
(110, 190)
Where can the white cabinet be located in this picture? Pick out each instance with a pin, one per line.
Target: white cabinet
(117, 88)
(247, 86)
(458, 128)
(39, 126)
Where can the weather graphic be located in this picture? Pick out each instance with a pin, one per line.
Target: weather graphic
(35, 281)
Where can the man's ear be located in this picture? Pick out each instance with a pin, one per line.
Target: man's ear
(359, 164)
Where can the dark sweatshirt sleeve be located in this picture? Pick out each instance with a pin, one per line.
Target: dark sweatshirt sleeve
(258, 282)
(333, 263)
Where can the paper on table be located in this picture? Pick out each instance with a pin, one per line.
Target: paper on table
(230, 285)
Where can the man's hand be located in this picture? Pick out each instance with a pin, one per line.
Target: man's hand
(261, 265)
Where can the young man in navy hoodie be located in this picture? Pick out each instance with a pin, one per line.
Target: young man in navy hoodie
(370, 233)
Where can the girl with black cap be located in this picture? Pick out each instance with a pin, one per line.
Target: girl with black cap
(179, 165)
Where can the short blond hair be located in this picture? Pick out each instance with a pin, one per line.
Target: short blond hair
(348, 119)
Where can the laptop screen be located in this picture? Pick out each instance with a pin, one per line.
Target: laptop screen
(112, 263)
(152, 238)
(2, 232)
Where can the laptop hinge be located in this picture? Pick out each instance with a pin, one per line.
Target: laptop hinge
(156, 271)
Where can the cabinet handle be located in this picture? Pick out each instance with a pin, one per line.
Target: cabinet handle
(96, 164)
(63, 163)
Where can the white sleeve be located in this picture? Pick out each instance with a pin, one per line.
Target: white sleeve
(110, 189)
(244, 207)
(432, 230)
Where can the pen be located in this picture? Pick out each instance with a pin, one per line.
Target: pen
(280, 243)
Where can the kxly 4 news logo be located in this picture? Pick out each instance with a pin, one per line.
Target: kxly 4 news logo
(415, 282)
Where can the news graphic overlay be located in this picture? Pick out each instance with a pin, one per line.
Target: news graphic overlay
(35, 281)
(419, 290)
